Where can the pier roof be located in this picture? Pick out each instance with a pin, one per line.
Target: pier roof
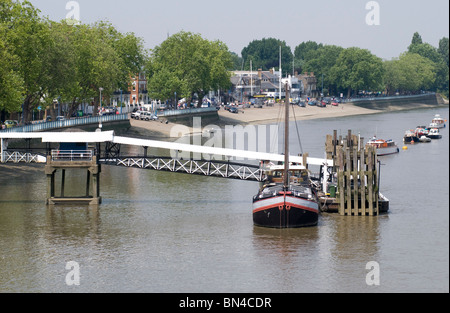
(56, 137)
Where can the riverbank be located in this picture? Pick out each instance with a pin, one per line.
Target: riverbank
(266, 115)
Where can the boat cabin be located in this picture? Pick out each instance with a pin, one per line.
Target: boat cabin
(298, 174)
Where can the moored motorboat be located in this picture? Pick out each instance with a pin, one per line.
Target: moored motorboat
(410, 137)
(438, 122)
(421, 131)
(384, 147)
(434, 134)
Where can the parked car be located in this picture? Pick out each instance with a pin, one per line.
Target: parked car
(11, 124)
(312, 102)
(335, 103)
(136, 115)
(234, 110)
(147, 116)
(60, 118)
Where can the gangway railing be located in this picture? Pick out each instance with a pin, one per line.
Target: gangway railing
(21, 157)
(44, 126)
(72, 155)
(210, 168)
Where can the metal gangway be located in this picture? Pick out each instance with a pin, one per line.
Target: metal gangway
(225, 168)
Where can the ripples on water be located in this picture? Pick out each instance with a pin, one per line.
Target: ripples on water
(163, 232)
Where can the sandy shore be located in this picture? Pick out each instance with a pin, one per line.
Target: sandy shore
(254, 116)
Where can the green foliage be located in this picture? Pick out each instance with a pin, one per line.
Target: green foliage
(411, 72)
(42, 60)
(357, 69)
(11, 84)
(265, 54)
(187, 64)
(439, 58)
(320, 62)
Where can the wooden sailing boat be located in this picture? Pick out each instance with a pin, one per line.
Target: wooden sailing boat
(286, 200)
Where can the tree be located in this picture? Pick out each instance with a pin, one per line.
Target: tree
(237, 62)
(439, 56)
(409, 73)
(10, 81)
(357, 69)
(187, 64)
(442, 79)
(29, 39)
(265, 54)
(416, 40)
(321, 61)
(305, 52)
(443, 49)
(42, 60)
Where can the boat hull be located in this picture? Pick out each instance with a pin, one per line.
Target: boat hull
(410, 139)
(388, 151)
(285, 212)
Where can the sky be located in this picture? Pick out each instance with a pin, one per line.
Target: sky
(385, 27)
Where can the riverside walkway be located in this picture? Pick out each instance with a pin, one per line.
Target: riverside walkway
(84, 121)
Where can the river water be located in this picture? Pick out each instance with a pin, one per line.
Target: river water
(171, 233)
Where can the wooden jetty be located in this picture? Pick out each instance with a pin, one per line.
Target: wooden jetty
(354, 188)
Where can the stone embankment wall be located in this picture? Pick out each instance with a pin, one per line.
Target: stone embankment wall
(421, 101)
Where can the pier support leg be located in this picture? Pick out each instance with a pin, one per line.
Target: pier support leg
(88, 183)
(63, 182)
(50, 184)
(95, 172)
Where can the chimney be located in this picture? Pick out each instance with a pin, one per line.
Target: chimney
(271, 71)
(260, 73)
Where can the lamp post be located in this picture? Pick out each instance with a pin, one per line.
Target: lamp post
(100, 125)
(121, 101)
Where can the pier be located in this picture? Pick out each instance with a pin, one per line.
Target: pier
(349, 176)
(354, 188)
(79, 160)
(92, 157)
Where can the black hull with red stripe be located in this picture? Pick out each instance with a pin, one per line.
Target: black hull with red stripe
(285, 211)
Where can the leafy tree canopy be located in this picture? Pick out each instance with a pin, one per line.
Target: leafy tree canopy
(265, 54)
(187, 64)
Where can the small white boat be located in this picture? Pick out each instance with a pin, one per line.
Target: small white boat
(384, 147)
(424, 139)
(438, 122)
(434, 134)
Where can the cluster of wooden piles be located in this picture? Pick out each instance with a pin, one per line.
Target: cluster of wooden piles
(354, 189)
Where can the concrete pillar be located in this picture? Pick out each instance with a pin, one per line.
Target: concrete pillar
(1, 151)
(63, 182)
(88, 182)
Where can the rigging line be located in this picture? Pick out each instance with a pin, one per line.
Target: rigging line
(273, 141)
(298, 132)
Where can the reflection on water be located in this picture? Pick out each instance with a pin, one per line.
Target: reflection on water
(166, 232)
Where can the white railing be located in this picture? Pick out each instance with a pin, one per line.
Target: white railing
(44, 126)
(72, 155)
(19, 157)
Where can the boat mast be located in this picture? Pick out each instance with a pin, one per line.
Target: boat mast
(286, 139)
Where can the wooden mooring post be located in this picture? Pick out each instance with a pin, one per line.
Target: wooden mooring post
(355, 167)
